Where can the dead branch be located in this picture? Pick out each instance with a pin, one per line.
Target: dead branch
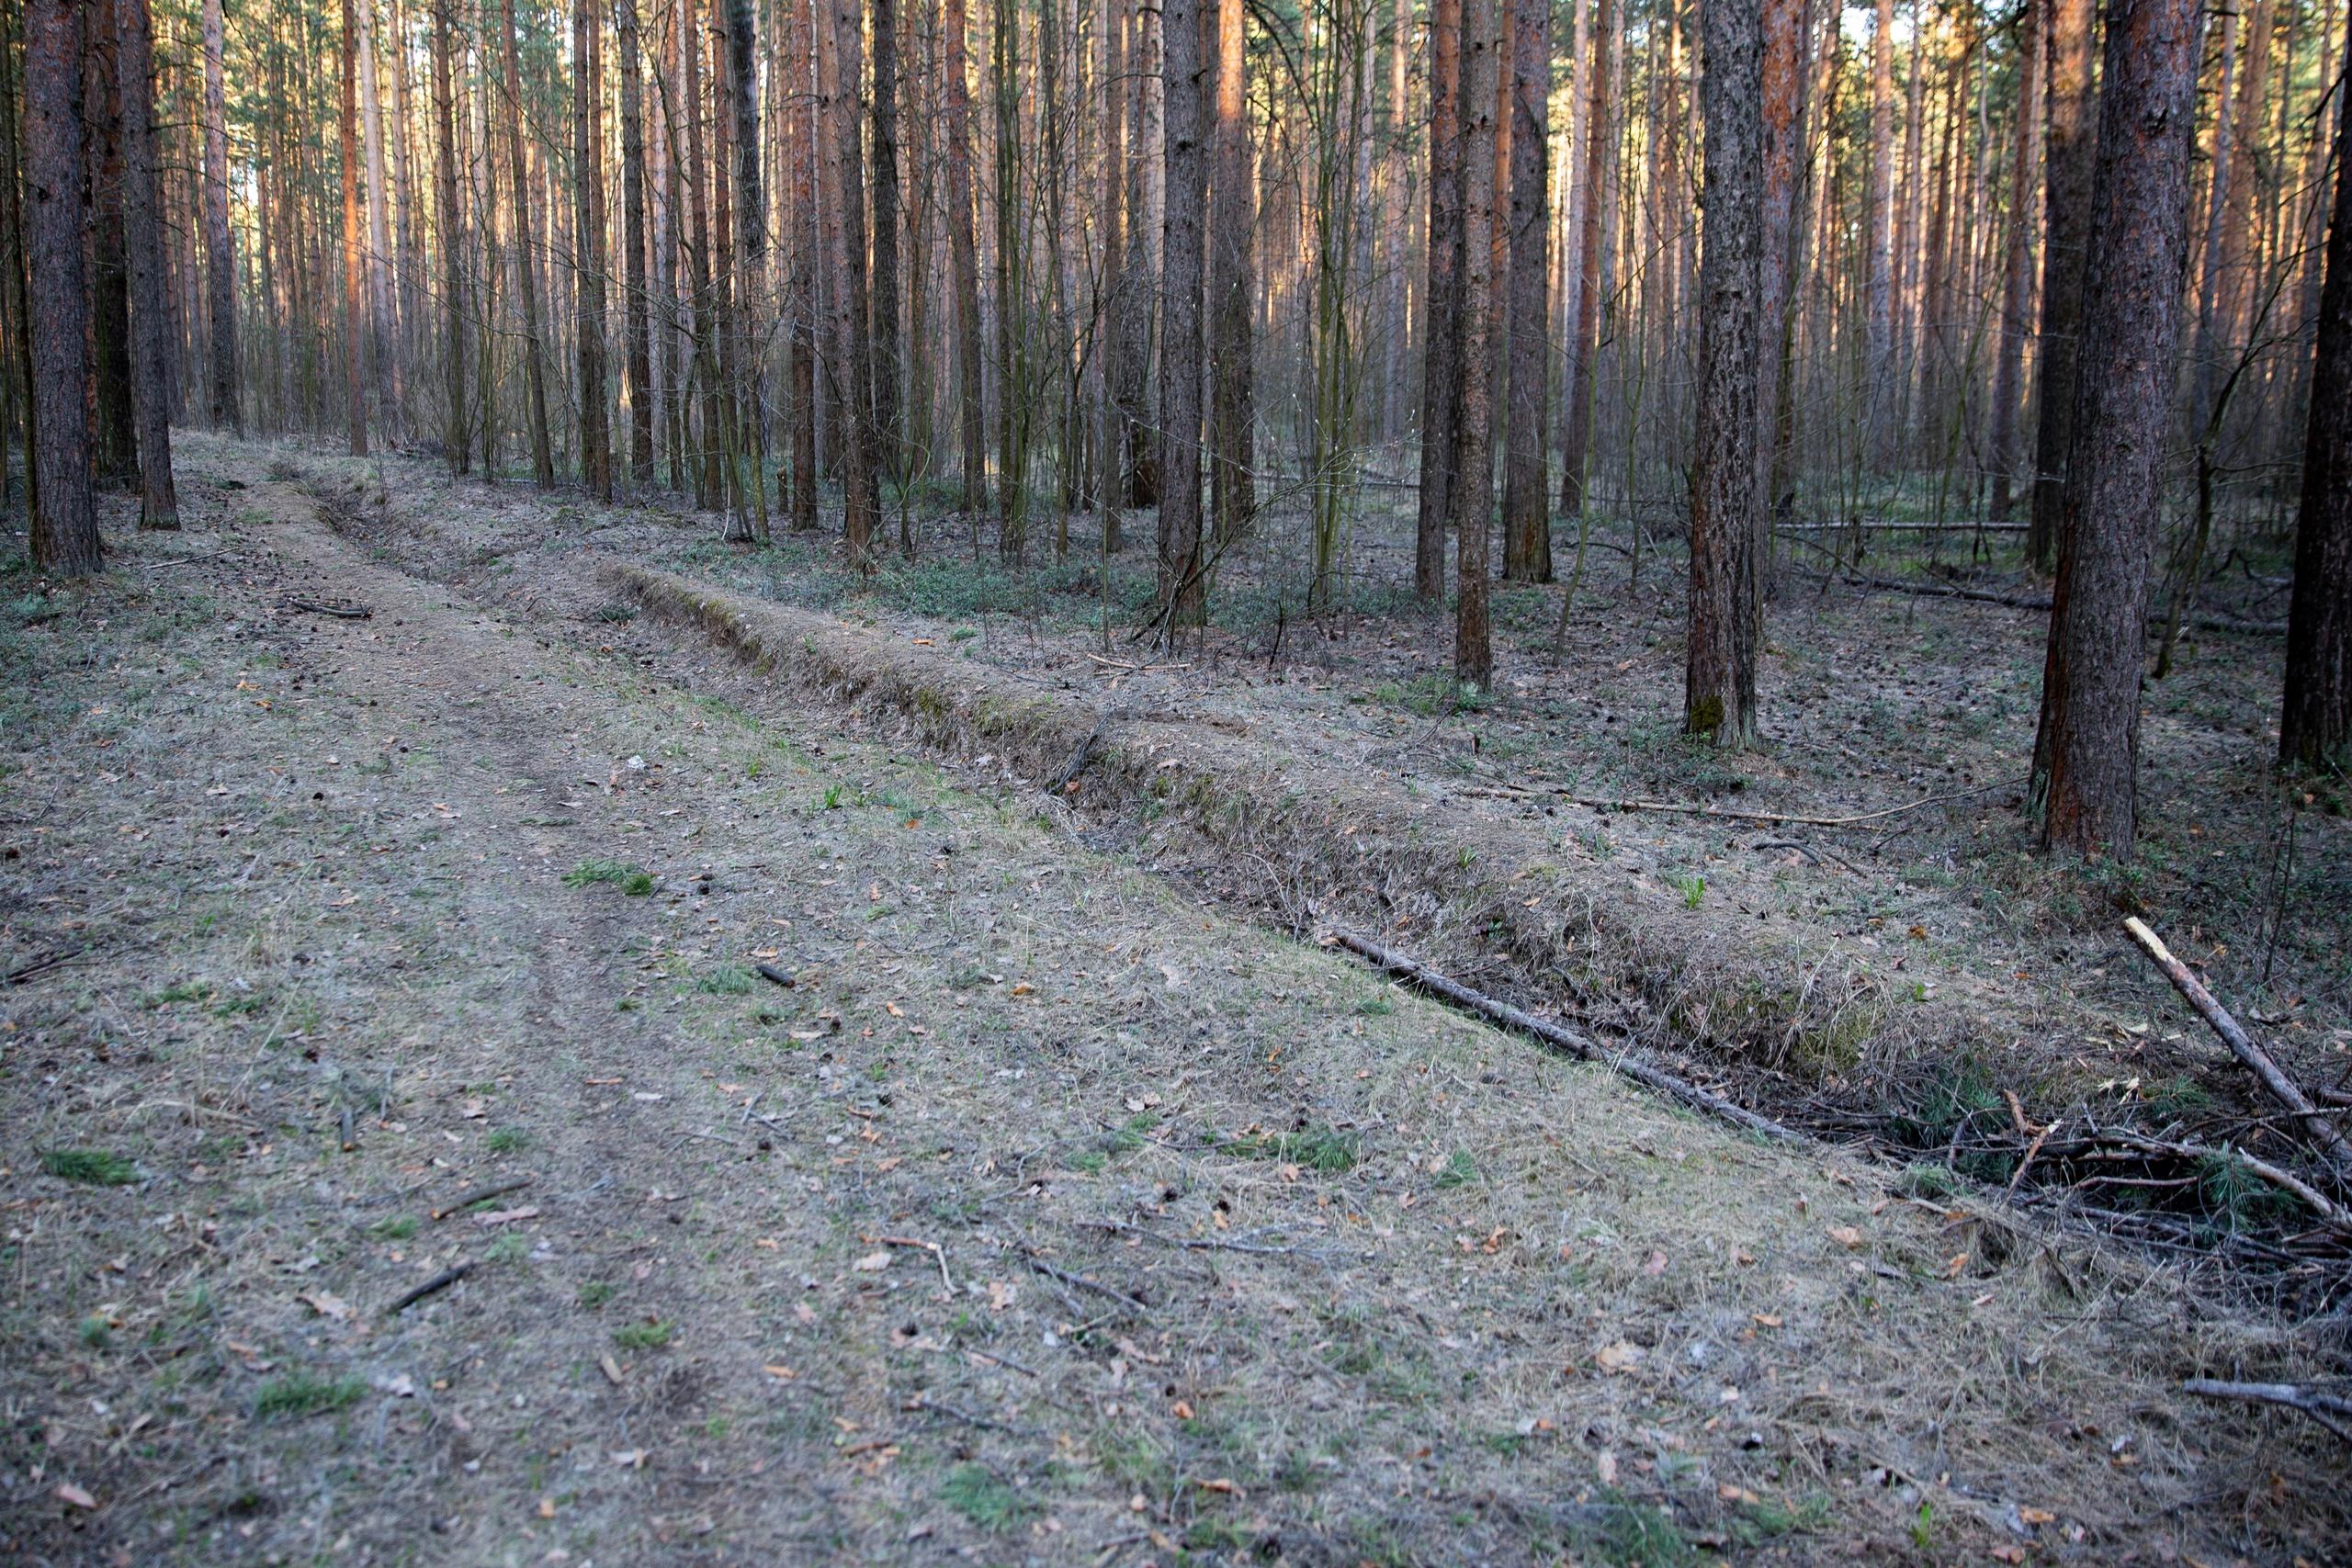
(2285, 1180)
(770, 972)
(2330, 1410)
(2282, 1089)
(1568, 1040)
(932, 1248)
(1189, 1243)
(439, 1282)
(319, 607)
(1083, 1283)
(496, 1189)
(1604, 803)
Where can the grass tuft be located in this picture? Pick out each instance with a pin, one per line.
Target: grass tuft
(95, 1167)
(297, 1394)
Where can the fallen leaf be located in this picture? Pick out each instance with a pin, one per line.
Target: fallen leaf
(507, 1216)
(1766, 1319)
(325, 1303)
(1218, 1483)
(1623, 1355)
(612, 1369)
(1846, 1237)
(872, 1263)
(76, 1495)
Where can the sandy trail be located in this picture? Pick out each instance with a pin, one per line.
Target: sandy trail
(1046, 1216)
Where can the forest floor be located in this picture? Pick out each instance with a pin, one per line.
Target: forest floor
(1056, 1211)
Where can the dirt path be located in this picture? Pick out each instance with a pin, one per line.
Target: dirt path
(1045, 1216)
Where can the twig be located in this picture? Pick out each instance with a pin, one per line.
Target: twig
(2318, 1404)
(1568, 1040)
(1078, 758)
(185, 561)
(716, 1138)
(43, 964)
(924, 1402)
(2282, 1089)
(1191, 1243)
(1604, 803)
(932, 1248)
(1082, 1282)
(496, 1189)
(439, 1282)
(770, 972)
(1001, 1360)
(2285, 1180)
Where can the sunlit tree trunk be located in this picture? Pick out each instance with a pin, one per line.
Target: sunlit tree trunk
(890, 432)
(964, 247)
(354, 306)
(1576, 436)
(2087, 753)
(1232, 291)
(525, 267)
(588, 246)
(643, 397)
(2017, 280)
(1470, 492)
(1440, 302)
(1878, 373)
(1527, 522)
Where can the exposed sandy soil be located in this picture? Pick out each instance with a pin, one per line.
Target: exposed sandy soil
(1050, 1214)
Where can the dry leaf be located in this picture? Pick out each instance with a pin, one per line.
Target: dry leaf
(76, 1495)
(325, 1303)
(872, 1262)
(612, 1369)
(1623, 1355)
(507, 1216)
(1846, 1237)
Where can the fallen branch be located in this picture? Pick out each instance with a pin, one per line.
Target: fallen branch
(319, 607)
(2285, 1180)
(2284, 1089)
(2318, 1404)
(2214, 620)
(1604, 803)
(439, 1282)
(1568, 1040)
(1083, 1283)
(496, 1189)
(47, 962)
(770, 972)
(1189, 1243)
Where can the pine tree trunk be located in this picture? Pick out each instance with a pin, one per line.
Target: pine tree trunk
(964, 247)
(1576, 434)
(535, 369)
(1139, 267)
(151, 324)
(804, 266)
(2017, 280)
(2315, 723)
(1526, 521)
(219, 258)
(751, 256)
(1878, 372)
(116, 454)
(1719, 677)
(1111, 492)
(643, 397)
(1782, 76)
(588, 246)
(1182, 568)
(1232, 288)
(353, 309)
(2086, 754)
(1440, 302)
(861, 501)
(382, 331)
(14, 309)
(1470, 488)
(2070, 147)
(889, 433)
(65, 515)
(457, 428)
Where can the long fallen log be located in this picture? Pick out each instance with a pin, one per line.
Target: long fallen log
(2284, 1089)
(2213, 620)
(1568, 1040)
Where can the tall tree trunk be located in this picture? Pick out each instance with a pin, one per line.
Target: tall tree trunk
(2016, 279)
(1470, 490)
(643, 400)
(588, 245)
(805, 267)
(1182, 569)
(383, 345)
(2069, 149)
(2315, 723)
(963, 248)
(1138, 268)
(1782, 76)
(116, 455)
(2086, 754)
(151, 324)
(889, 434)
(1878, 373)
(1527, 500)
(1719, 677)
(751, 310)
(1232, 290)
(535, 369)
(1440, 302)
(1575, 435)
(860, 501)
(219, 258)
(457, 428)
(65, 515)
(1112, 486)
(15, 310)
(353, 309)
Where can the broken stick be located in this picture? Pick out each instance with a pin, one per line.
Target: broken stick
(1568, 1040)
(2330, 1410)
(2284, 1089)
